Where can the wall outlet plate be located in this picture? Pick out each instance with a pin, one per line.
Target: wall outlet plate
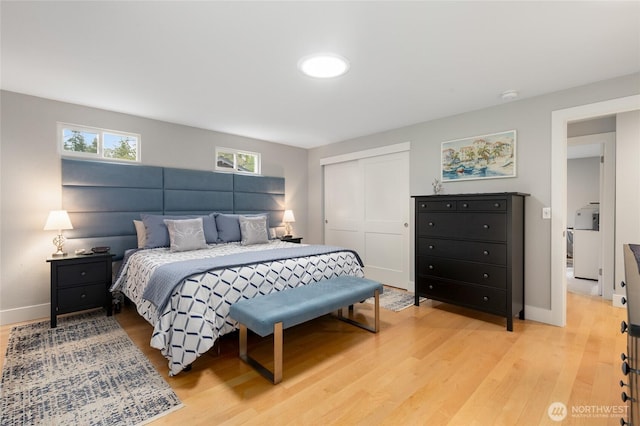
(546, 212)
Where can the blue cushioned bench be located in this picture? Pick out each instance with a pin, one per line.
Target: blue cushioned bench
(274, 312)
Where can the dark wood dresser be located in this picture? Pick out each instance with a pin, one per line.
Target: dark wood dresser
(631, 359)
(470, 251)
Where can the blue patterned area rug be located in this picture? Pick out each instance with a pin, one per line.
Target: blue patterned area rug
(84, 372)
(396, 300)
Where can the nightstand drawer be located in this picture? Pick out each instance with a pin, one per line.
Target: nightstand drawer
(83, 297)
(81, 273)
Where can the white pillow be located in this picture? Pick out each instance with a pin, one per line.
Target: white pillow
(253, 230)
(186, 234)
(141, 232)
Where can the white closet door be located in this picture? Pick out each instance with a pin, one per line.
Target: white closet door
(386, 219)
(343, 211)
(367, 209)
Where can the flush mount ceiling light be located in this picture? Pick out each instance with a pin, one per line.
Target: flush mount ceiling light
(508, 95)
(323, 65)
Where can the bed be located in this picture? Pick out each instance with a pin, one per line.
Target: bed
(196, 312)
(233, 257)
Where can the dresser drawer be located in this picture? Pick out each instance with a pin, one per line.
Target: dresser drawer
(83, 297)
(81, 273)
(479, 226)
(432, 205)
(477, 297)
(485, 252)
(458, 270)
(483, 205)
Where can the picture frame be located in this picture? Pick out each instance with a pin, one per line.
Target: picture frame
(488, 156)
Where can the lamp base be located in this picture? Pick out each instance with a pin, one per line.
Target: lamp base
(58, 241)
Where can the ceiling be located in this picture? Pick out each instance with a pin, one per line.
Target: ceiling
(232, 66)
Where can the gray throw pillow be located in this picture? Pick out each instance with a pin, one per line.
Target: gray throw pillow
(157, 234)
(186, 234)
(253, 230)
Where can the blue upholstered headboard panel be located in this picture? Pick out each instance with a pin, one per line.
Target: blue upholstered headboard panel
(197, 192)
(103, 199)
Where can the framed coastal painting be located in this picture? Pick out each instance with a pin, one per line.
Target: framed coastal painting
(479, 157)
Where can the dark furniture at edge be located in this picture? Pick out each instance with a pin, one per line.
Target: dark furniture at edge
(80, 282)
(630, 361)
(469, 251)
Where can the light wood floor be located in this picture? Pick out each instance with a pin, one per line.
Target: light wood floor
(430, 365)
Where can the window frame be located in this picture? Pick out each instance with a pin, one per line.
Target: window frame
(99, 155)
(236, 152)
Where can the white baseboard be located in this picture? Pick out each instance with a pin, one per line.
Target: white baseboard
(26, 313)
(534, 313)
(617, 301)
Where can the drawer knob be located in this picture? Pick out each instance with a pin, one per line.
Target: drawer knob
(623, 327)
(430, 223)
(623, 356)
(82, 296)
(430, 246)
(431, 267)
(622, 284)
(465, 205)
(623, 300)
(485, 275)
(423, 206)
(83, 273)
(626, 369)
(625, 397)
(485, 226)
(496, 205)
(486, 252)
(430, 286)
(448, 205)
(485, 298)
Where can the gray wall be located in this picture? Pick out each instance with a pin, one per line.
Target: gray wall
(30, 182)
(531, 118)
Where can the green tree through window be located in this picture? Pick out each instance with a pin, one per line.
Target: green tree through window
(97, 143)
(228, 159)
(75, 140)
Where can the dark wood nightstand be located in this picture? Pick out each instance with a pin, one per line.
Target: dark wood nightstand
(80, 282)
(296, 240)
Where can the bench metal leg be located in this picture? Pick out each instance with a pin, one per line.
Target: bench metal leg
(376, 326)
(276, 375)
(277, 352)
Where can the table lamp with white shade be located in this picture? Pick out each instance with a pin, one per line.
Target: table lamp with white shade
(288, 219)
(58, 220)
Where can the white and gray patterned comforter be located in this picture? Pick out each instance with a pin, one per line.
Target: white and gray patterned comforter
(197, 312)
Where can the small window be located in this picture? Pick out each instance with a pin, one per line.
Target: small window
(94, 143)
(232, 160)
